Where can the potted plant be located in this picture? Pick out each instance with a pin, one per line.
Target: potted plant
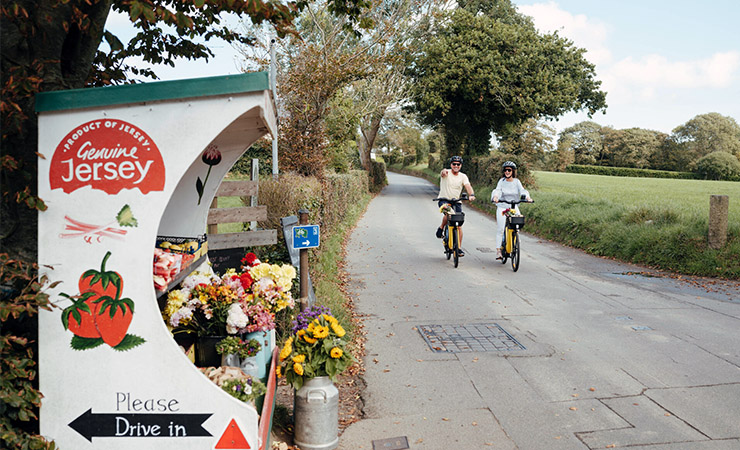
(310, 360)
(234, 351)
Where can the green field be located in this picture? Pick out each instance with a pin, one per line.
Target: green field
(661, 223)
(689, 199)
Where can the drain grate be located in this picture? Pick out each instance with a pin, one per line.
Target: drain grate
(481, 337)
(484, 249)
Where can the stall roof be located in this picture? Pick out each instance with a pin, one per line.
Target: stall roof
(154, 91)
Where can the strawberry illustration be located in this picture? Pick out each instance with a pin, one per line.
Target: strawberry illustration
(102, 282)
(114, 318)
(79, 317)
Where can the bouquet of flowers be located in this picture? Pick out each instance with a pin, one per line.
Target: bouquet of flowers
(447, 209)
(511, 212)
(234, 345)
(317, 350)
(235, 303)
(236, 383)
(244, 389)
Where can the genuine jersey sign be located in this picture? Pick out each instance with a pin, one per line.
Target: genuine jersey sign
(108, 155)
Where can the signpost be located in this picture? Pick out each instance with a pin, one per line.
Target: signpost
(305, 236)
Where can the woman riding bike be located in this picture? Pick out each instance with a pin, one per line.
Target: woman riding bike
(451, 183)
(509, 188)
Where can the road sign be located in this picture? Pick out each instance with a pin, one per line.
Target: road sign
(305, 236)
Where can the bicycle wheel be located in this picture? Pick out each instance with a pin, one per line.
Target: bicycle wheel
(445, 242)
(455, 246)
(515, 251)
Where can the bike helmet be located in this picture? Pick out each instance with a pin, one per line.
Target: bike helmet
(509, 164)
(456, 159)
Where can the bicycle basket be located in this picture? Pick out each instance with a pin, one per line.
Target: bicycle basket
(516, 222)
(456, 219)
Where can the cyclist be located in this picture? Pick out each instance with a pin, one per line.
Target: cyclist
(451, 184)
(509, 188)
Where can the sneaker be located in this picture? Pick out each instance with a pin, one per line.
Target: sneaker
(460, 252)
(498, 254)
(439, 233)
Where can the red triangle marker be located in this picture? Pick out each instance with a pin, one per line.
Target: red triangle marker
(233, 438)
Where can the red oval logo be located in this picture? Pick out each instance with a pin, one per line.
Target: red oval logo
(108, 155)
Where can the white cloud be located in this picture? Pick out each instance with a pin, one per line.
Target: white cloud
(656, 71)
(586, 33)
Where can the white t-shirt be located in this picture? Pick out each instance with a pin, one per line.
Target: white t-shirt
(451, 186)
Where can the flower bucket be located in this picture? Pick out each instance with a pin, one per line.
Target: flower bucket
(250, 366)
(205, 351)
(264, 356)
(316, 415)
(230, 360)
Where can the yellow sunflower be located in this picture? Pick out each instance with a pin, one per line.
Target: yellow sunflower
(299, 358)
(298, 369)
(336, 353)
(320, 332)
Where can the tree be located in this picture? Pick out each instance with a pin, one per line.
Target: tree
(585, 141)
(56, 44)
(707, 133)
(718, 166)
(489, 71)
(531, 140)
(631, 147)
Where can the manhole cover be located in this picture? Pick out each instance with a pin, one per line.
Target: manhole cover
(481, 337)
(396, 443)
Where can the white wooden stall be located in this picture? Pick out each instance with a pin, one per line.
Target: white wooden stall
(137, 150)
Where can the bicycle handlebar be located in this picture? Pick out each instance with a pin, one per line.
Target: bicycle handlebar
(513, 203)
(451, 200)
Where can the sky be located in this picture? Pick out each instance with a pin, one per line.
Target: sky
(661, 62)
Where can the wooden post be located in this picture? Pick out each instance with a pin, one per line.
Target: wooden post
(213, 228)
(719, 206)
(303, 263)
(255, 177)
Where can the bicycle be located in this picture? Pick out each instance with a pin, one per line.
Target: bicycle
(451, 234)
(510, 246)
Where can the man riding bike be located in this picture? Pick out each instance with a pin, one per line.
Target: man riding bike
(451, 183)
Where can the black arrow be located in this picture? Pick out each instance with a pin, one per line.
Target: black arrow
(91, 425)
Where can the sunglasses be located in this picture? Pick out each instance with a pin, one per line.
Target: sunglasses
(508, 170)
(456, 164)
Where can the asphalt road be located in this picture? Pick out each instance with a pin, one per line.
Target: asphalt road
(570, 352)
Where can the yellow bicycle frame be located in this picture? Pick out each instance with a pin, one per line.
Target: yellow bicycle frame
(449, 236)
(509, 239)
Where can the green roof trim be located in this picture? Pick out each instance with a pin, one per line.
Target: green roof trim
(154, 91)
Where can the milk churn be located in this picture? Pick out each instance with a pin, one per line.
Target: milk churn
(316, 415)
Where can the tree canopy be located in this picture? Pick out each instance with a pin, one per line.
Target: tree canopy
(486, 70)
(56, 44)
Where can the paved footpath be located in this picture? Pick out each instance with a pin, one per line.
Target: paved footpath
(570, 352)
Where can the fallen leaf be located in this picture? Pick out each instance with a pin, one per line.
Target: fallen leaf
(573, 408)
(445, 419)
(475, 424)
(592, 389)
